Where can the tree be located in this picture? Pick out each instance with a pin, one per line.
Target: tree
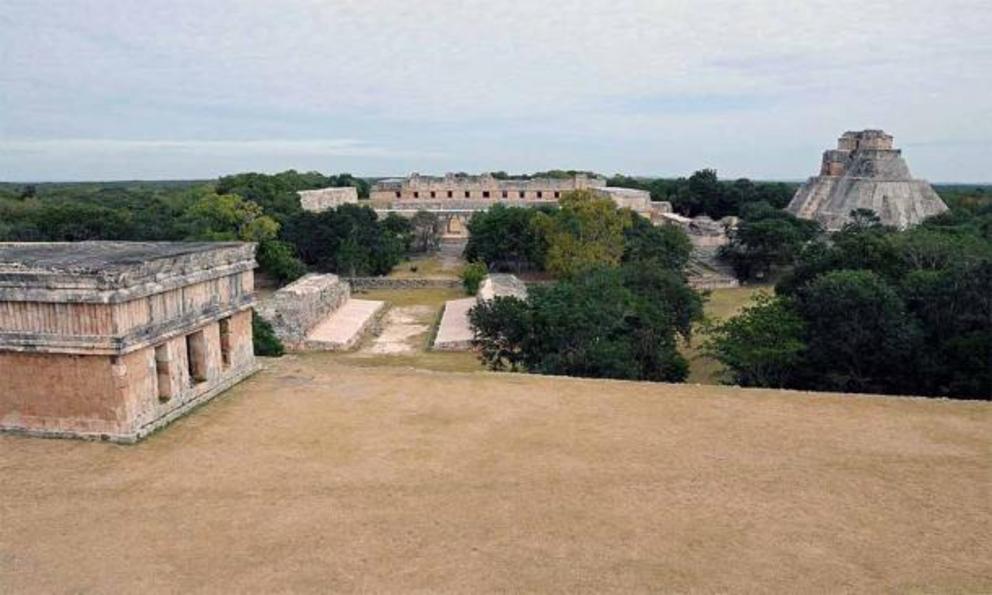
(859, 336)
(766, 237)
(502, 328)
(762, 346)
(426, 229)
(605, 323)
(585, 233)
(506, 239)
(215, 217)
(664, 246)
(278, 259)
(348, 240)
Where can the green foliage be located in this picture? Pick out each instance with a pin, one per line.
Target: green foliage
(505, 239)
(664, 246)
(704, 194)
(472, 277)
(228, 217)
(264, 339)
(278, 259)
(585, 233)
(605, 323)
(766, 237)
(348, 240)
(886, 311)
(859, 337)
(503, 325)
(762, 346)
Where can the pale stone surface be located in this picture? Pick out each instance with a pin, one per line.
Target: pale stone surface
(345, 327)
(865, 172)
(500, 284)
(455, 333)
(400, 327)
(323, 199)
(115, 339)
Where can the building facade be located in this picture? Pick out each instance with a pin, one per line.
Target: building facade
(112, 340)
(481, 187)
(456, 197)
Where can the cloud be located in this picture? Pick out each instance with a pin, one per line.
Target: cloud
(465, 83)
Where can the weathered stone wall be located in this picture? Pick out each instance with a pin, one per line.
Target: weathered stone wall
(365, 283)
(485, 186)
(295, 309)
(118, 397)
(323, 199)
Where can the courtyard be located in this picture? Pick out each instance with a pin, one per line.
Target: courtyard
(318, 474)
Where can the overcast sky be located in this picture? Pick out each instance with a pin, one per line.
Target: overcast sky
(112, 89)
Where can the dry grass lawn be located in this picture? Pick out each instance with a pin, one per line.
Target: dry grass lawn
(320, 476)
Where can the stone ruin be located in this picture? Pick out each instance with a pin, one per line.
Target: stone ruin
(324, 199)
(865, 172)
(112, 340)
(454, 333)
(317, 312)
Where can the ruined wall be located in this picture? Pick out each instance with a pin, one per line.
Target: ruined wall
(323, 199)
(295, 309)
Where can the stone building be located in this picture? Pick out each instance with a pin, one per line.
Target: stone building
(455, 197)
(322, 199)
(865, 172)
(112, 340)
(484, 187)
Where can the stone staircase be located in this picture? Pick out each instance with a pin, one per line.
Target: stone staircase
(707, 271)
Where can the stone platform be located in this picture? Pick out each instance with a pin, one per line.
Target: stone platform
(345, 327)
(454, 332)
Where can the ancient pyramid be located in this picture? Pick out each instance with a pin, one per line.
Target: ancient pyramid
(865, 172)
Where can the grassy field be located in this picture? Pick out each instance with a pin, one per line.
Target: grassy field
(314, 476)
(433, 265)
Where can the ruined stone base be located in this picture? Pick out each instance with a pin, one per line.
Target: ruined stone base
(454, 333)
(345, 328)
(132, 437)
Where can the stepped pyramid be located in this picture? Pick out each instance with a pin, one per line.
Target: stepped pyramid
(865, 172)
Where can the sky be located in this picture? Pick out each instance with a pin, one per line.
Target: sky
(178, 89)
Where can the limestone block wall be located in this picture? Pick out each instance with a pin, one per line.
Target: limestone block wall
(295, 309)
(323, 199)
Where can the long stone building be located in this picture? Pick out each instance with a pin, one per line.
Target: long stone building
(112, 340)
(865, 172)
(455, 197)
